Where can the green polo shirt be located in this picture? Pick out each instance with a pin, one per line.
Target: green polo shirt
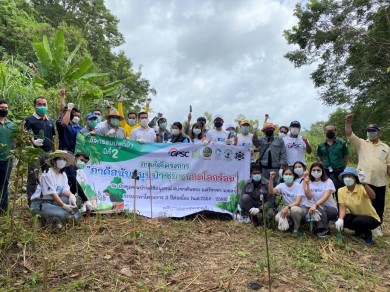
(6, 138)
(333, 155)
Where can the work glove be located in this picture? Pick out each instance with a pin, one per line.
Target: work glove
(148, 100)
(140, 140)
(111, 132)
(120, 98)
(70, 106)
(156, 129)
(68, 208)
(72, 200)
(107, 103)
(339, 224)
(88, 205)
(361, 176)
(229, 141)
(252, 150)
(317, 216)
(254, 211)
(283, 224)
(205, 142)
(38, 142)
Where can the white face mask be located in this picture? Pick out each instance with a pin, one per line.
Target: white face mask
(294, 131)
(175, 132)
(75, 120)
(316, 174)
(60, 164)
(372, 135)
(348, 181)
(144, 122)
(282, 135)
(298, 171)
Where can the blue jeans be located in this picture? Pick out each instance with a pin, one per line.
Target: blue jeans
(52, 212)
(5, 172)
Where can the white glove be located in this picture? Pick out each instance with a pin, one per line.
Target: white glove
(283, 224)
(317, 216)
(142, 141)
(339, 224)
(120, 98)
(70, 106)
(111, 132)
(148, 100)
(72, 200)
(156, 129)
(238, 207)
(255, 127)
(205, 142)
(68, 208)
(107, 103)
(229, 141)
(361, 176)
(38, 142)
(88, 205)
(280, 172)
(254, 211)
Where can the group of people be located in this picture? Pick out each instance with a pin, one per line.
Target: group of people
(326, 191)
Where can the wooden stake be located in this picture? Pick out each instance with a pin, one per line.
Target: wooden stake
(45, 265)
(151, 196)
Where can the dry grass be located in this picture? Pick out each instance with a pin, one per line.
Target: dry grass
(195, 254)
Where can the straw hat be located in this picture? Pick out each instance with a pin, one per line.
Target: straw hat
(60, 153)
(115, 113)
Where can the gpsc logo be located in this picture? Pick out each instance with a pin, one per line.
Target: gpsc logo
(207, 152)
(177, 153)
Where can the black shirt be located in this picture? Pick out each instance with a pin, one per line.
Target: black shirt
(75, 188)
(42, 129)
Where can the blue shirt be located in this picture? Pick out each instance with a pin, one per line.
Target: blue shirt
(67, 135)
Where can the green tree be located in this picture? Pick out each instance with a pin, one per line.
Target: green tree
(349, 41)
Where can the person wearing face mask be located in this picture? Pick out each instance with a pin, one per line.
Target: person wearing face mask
(292, 194)
(177, 135)
(98, 113)
(7, 129)
(90, 125)
(42, 129)
(283, 130)
(81, 160)
(53, 200)
(272, 152)
(162, 134)
(318, 189)
(300, 170)
(357, 197)
(218, 135)
(143, 133)
(110, 127)
(196, 135)
(132, 122)
(250, 202)
(296, 145)
(373, 161)
(245, 138)
(333, 153)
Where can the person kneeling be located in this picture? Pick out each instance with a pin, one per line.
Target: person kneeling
(251, 201)
(356, 196)
(53, 200)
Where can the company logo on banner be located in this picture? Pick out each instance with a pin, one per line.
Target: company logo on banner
(175, 180)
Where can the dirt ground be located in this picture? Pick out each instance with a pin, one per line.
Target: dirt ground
(194, 254)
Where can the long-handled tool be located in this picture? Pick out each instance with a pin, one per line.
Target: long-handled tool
(266, 242)
(150, 192)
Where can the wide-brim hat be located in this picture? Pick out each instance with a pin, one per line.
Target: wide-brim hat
(348, 171)
(115, 113)
(60, 153)
(268, 126)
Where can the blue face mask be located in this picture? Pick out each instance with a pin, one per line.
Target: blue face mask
(114, 122)
(256, 177)
(131, 122)
(232, 132)
(245, 129)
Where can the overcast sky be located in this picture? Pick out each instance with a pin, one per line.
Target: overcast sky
(221, 56)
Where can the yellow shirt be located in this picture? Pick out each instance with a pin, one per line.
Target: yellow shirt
(128, 128)
(373, 159)
(357, 202)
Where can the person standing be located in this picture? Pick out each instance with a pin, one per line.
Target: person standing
(90, 124)
(143, 133)
(218, 135)
(333, 153)
(296, 145)
(7, 143)
(68, 127)
(110, 127)
(374, 162)
(42, 129)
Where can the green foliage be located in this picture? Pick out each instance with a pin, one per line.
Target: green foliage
(234, 200)
(349, 41)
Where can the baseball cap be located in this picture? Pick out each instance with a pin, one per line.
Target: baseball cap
(229, 126)
(216, 116)
(91, 116)
(295, 124)
(372, 127)
(245, 121)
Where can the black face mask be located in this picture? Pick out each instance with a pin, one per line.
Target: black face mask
(3, 113)
(218, 124)
(330, 135)
(269, 133)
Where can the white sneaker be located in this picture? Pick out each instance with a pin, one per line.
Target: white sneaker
(246, 220)
(377, 232)
(57, 226)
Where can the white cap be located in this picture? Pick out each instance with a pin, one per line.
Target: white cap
(230, 126)
(216, 116)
